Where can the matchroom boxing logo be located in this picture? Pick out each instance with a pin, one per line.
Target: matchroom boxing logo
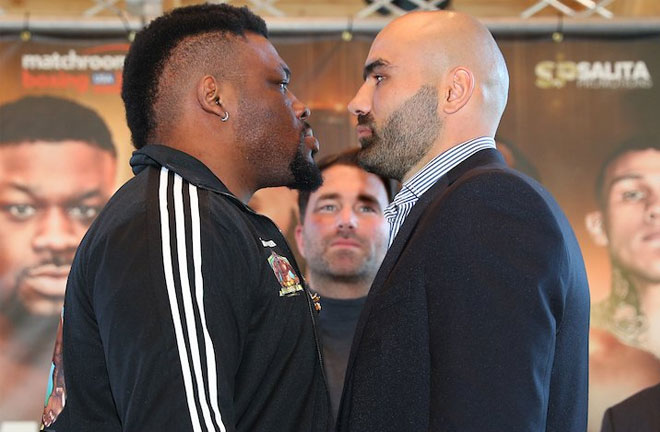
(628, 74)
(95, 69)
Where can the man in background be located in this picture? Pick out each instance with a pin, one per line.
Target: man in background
(625, 335)
(343, 237)
(57, 170)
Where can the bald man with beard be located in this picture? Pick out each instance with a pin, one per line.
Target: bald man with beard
(478, 317)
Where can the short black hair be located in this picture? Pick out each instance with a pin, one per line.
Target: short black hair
(52, 119)
(348, 158)
(153, 46)
(636, 143)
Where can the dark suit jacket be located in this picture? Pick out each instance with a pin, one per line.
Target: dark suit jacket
(478, 317)
(638, 413)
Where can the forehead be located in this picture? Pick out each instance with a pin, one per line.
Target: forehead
(56, 168)
(350, 181)
(404, 42)
(257, 50)
(389, 50)
(641, 163)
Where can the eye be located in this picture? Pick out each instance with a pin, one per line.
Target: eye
(21, 212)
(379, 79)
(367, 209)
(83, 212)
(284, 86)
(633, 195)
(327, 208)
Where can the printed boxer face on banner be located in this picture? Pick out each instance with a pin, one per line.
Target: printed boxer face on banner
(344, 235)
(630, 223)
(49, 195)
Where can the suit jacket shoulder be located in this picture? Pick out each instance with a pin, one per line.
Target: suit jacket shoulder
(638, 413)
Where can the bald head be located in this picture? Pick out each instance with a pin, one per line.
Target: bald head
(432, 80)
(439, 42)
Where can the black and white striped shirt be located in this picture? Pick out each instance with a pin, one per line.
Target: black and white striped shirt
(411, 190)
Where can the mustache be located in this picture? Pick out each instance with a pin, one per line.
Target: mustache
(344, 234)
(54, 262)
(365, 120)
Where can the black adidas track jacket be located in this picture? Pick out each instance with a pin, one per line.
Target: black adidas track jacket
(185, 311)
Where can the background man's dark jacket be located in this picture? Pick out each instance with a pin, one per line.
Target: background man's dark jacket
(639, 413)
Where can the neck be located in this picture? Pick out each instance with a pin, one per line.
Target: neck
(225, 165)
(649, 301)
(338, 288)
(442, 144)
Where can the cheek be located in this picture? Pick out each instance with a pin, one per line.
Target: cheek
(15, 247)
(379, 105)
(624, 222)
(318, 230)
(376, 231)
(79, 229)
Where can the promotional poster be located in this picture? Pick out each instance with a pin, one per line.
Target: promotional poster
(574, 108)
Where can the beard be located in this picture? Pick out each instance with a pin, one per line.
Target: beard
(306, 175)
(347, 266)
(408, 135)
(266, 141)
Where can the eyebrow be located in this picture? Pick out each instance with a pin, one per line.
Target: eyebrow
(361, 197)
(368, 199)
(33, 195)
(328, 196)
(624, 177)
(621, 178)
(287, 72)
(87, 195)
(368, 69)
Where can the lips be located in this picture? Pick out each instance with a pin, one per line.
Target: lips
(50, 270)
(652, 237)
(364, 131)
(346, 243)
(310, 140)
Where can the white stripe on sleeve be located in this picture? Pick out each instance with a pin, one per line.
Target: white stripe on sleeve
(199, 294)
(171, 293)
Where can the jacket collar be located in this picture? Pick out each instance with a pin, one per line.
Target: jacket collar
(480, 159)
(188, 167)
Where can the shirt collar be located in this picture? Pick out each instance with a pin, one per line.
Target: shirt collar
(426, 177)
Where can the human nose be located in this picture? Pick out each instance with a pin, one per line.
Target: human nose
(301, 110)
(346, 219)
(55, 233)
(361, 102)
(652, 215)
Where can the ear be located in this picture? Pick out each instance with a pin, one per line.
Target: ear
(596, 227)
(298, 233)
(461, 87)
(209, 97)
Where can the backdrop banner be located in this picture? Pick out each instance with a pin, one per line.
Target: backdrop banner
(571, 106)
